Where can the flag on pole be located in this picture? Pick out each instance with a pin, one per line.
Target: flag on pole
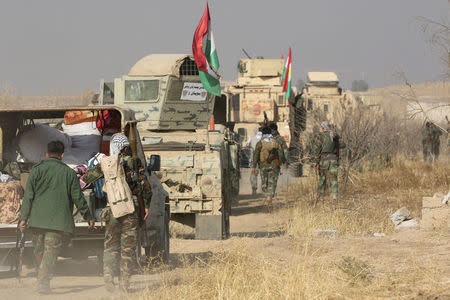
(286, 79)
(205, 54)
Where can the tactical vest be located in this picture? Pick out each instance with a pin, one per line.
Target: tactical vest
(266, 147)
(329, 145)
(119, 195)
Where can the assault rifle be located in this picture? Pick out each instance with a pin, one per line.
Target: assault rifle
(20, 249)
(273, 156)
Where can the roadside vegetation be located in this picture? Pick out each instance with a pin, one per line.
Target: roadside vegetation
(311, 270)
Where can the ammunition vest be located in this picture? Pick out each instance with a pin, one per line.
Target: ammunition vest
(329, 145)
(119, 195)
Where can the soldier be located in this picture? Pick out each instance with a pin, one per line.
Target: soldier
(267, 157)
(52, 190)
(276, 135)
(327, 150)
(254, 176)
(121, 231)
(431, 142)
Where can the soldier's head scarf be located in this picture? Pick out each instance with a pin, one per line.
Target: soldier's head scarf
(117, 143)
(325, 125)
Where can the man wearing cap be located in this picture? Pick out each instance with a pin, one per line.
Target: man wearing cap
(327, 161)
(121, 232)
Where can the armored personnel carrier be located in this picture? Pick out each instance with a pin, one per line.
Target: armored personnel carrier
(258, 89)
(186, 126)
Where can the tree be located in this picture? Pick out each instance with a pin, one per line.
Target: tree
(300, 85)
(360, 85)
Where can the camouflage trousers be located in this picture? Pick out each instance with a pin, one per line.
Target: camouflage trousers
(47, 245)
(269, 179)
(254, 180)
(428, 155)
(328, 176)
(119, 256)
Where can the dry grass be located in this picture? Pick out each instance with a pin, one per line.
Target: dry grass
(243, 274)
(369, 200)
(313, 271)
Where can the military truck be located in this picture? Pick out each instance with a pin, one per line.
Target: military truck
(16, 120)
(321, 98)
(199, 166)
(258, 89)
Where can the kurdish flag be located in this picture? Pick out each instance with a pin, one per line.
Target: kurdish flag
(205, 54)
(286, 79)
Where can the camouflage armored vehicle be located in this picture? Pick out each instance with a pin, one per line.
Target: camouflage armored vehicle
(199, 166)
(320, 99)
(15, 122)
(258, 89)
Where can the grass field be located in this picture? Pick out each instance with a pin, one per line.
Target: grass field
(353, 265)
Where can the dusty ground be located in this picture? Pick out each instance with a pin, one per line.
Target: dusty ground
(260, 230)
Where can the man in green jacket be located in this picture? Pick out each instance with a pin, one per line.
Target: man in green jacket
(52, 190)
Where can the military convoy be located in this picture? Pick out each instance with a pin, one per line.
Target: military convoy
(199, 155)
(258, 89)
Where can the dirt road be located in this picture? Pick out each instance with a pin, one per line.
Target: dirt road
(250, 222)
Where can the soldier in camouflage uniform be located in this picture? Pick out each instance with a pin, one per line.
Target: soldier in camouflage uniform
(327, 156)
(431, 142)
(51, 192)
(121, 233)
(266, 156)
(276, 135)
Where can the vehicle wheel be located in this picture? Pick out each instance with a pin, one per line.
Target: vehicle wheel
(161, 249)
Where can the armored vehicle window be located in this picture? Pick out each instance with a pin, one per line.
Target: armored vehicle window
(141, 90)
(325, 107)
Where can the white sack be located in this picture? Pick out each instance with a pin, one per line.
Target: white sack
(33, 142)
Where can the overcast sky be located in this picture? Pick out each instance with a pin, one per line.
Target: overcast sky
(56, 47)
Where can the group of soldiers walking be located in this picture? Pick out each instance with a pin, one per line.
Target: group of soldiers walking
(53, 189)
(270, 152)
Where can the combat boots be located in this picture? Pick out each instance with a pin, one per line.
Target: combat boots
(268, 203)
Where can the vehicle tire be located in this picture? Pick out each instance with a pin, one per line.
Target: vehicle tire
(161, 249)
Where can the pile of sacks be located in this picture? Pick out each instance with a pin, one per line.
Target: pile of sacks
(80, 136)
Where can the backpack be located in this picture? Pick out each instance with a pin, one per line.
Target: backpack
(266, 148)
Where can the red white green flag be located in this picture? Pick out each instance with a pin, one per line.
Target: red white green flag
(205, 54)
(286, 79)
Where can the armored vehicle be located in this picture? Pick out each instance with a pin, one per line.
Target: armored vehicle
(258, 89)
(198, 163)
(14, 124)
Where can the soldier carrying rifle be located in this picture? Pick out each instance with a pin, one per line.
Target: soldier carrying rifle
(267, 156)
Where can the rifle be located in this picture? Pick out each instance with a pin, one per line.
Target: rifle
(20, 249)
(136, 171)
(266, 119)
(273, 156)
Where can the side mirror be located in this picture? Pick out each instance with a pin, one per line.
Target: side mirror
(154, 163)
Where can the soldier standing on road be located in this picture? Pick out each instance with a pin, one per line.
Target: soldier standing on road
(52, 190)
(121, 232)
(254, 176)
(431, 142)
(276, 135)
(267, 157)
(327, 150)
